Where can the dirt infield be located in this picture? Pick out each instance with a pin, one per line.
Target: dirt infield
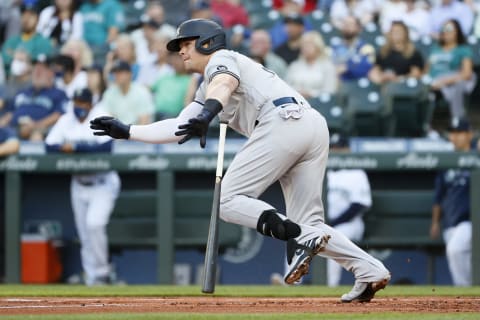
(212, 304)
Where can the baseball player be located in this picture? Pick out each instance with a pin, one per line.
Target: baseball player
(348, 198)
(452, 202)
(287, 141)
(93, 195)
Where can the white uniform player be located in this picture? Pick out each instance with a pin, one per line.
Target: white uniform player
(287, 141)
(348, 197)
(93, 195)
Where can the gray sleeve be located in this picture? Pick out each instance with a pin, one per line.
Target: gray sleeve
(222, 62)
(200, 94)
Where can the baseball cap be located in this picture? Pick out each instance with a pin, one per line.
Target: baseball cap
(29, 5)
(293, 18)
(146, 20)
(459, 125)
(200, 5)
(42, 58)
(84, 95)
(121, 65)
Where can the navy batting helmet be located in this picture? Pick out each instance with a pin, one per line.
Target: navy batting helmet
(205, 31)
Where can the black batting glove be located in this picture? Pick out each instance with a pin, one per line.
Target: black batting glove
(198, 126)
(109, 126)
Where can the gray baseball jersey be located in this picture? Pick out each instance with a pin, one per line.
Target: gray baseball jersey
(288, 142)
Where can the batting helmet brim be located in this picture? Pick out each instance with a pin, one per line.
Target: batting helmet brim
(174, 44)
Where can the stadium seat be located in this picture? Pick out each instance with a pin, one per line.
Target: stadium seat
(474, 43)
(410, 107)
(338, 118)
(316, 19)
(264, 20)
(424, 45)
(364, 101)
(372, 34)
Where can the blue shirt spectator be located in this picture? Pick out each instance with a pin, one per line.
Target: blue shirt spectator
(38, 107)
(352, 56)
(9, 143)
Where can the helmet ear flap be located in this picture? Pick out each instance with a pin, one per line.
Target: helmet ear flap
(213, 43)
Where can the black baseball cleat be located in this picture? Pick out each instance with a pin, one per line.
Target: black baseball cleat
(299, 256)
(364, 291)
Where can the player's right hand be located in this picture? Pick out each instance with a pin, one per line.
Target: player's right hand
(111, 127)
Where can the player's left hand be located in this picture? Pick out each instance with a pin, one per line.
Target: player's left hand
(111, 127)
(196, 127)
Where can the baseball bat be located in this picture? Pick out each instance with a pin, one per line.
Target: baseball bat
(211, 253)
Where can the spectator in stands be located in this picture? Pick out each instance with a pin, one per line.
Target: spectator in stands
(261, 47)
(398, 58)
(2, 72)
(61, 22)
(151, 71)
(307, 5)
(9, 144)
(96, 83)
(124, 50)
(452, 207)
(279, 33)
(103, 20)
(65, 76)
(169, 91)
(390, 11)
(127, 100)
(144, 37)
(313, 73)
(34, 43)
(290, 49)
(353, 57)
(201, 9)
(80, 52)
(363, 10)
(417, 18)
(348, 198)
(448, 10)
(451, 68)
(9, 19)
(93, 195)
(231, 12)
(20, 79)
(38, 107)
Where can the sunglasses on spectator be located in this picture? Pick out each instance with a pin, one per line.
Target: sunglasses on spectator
(448, 28)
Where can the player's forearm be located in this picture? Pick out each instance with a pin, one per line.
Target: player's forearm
(157, 132)
(9, 147)
(164, 131)
(436, 213)
(221, 88)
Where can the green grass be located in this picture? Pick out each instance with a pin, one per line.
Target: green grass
(61, 290)
(289, 316)
(233, 291)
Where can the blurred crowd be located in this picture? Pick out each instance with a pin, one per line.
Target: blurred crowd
(116, 48)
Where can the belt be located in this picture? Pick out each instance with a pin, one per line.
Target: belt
(283, 101)
(89, 183)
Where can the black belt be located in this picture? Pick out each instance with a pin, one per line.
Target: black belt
(285, 100)
(89, 183)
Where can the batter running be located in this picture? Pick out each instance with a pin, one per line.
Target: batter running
(287, 141)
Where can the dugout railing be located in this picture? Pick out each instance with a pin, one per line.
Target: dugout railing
(166, 166)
